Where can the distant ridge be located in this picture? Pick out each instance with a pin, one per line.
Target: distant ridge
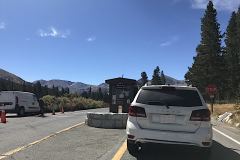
(74, 87)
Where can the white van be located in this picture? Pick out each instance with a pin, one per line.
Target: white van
(19, 102)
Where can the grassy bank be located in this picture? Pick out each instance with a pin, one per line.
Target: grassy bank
(219, 109)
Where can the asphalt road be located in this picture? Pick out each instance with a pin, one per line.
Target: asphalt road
(39, 137)
(19, 131)
(82, 142)
(223, 148)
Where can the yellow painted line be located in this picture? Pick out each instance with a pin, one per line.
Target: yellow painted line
(9, 153)
(120, 151)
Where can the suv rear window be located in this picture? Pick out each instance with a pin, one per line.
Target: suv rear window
(169, 97)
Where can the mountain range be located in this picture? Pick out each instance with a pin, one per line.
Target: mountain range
(74, 87)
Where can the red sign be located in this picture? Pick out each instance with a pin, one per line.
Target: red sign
(211, 89)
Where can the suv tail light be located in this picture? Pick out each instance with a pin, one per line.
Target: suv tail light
(136, 111)
(200, 115)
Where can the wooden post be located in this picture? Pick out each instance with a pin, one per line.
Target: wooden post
(212, 102)
(212, 106)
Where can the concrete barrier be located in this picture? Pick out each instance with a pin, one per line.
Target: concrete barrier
(107, 120)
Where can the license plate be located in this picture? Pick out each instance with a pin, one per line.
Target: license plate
(164, 118)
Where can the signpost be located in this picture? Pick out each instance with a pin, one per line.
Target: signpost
(211, 90)
(122, 91)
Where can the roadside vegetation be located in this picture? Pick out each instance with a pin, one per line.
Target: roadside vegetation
(71, 102)
(236, 118)
(221, 109)
(217, 62)
(217, 59)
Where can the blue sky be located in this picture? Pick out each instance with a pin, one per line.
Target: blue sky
(94, 40)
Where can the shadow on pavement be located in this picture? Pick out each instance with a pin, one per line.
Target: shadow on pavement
(27, 115)
(163, 152)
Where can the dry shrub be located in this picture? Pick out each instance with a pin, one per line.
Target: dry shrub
(71, 103)
(236, 117)
(219, 109)
(237, 106)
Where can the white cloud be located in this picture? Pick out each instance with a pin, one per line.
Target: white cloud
(166, 43)
(91, 39)
(229, 5)
(170, 41)
(53, 32)
(2, 25)
(175, 1)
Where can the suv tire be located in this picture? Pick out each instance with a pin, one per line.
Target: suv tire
(133, 148)
(206, 153)
(21, 112)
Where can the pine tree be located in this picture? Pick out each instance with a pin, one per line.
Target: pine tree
(156, 79)
(106, 97)
(238, 31)
(24, 87)
(29, 88)
(44, 90)
(62, 91)
(163, 78)
(1, 85)
(90, 92)
(238, 48)
(12, 86)
(52, 91)
(37, 89)
(84, 94)
(67, 90)
(144, 78)
(56, 91)
(232, 56)
(100, 94)
(208, 66)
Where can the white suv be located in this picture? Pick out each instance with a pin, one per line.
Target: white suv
(169, 115)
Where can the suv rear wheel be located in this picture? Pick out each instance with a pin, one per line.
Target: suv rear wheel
(206, 153)
(133, 148)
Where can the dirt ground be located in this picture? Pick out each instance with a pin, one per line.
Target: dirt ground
(219, 109)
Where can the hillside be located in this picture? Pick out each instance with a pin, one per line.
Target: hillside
(10, 77)
(173, 81)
